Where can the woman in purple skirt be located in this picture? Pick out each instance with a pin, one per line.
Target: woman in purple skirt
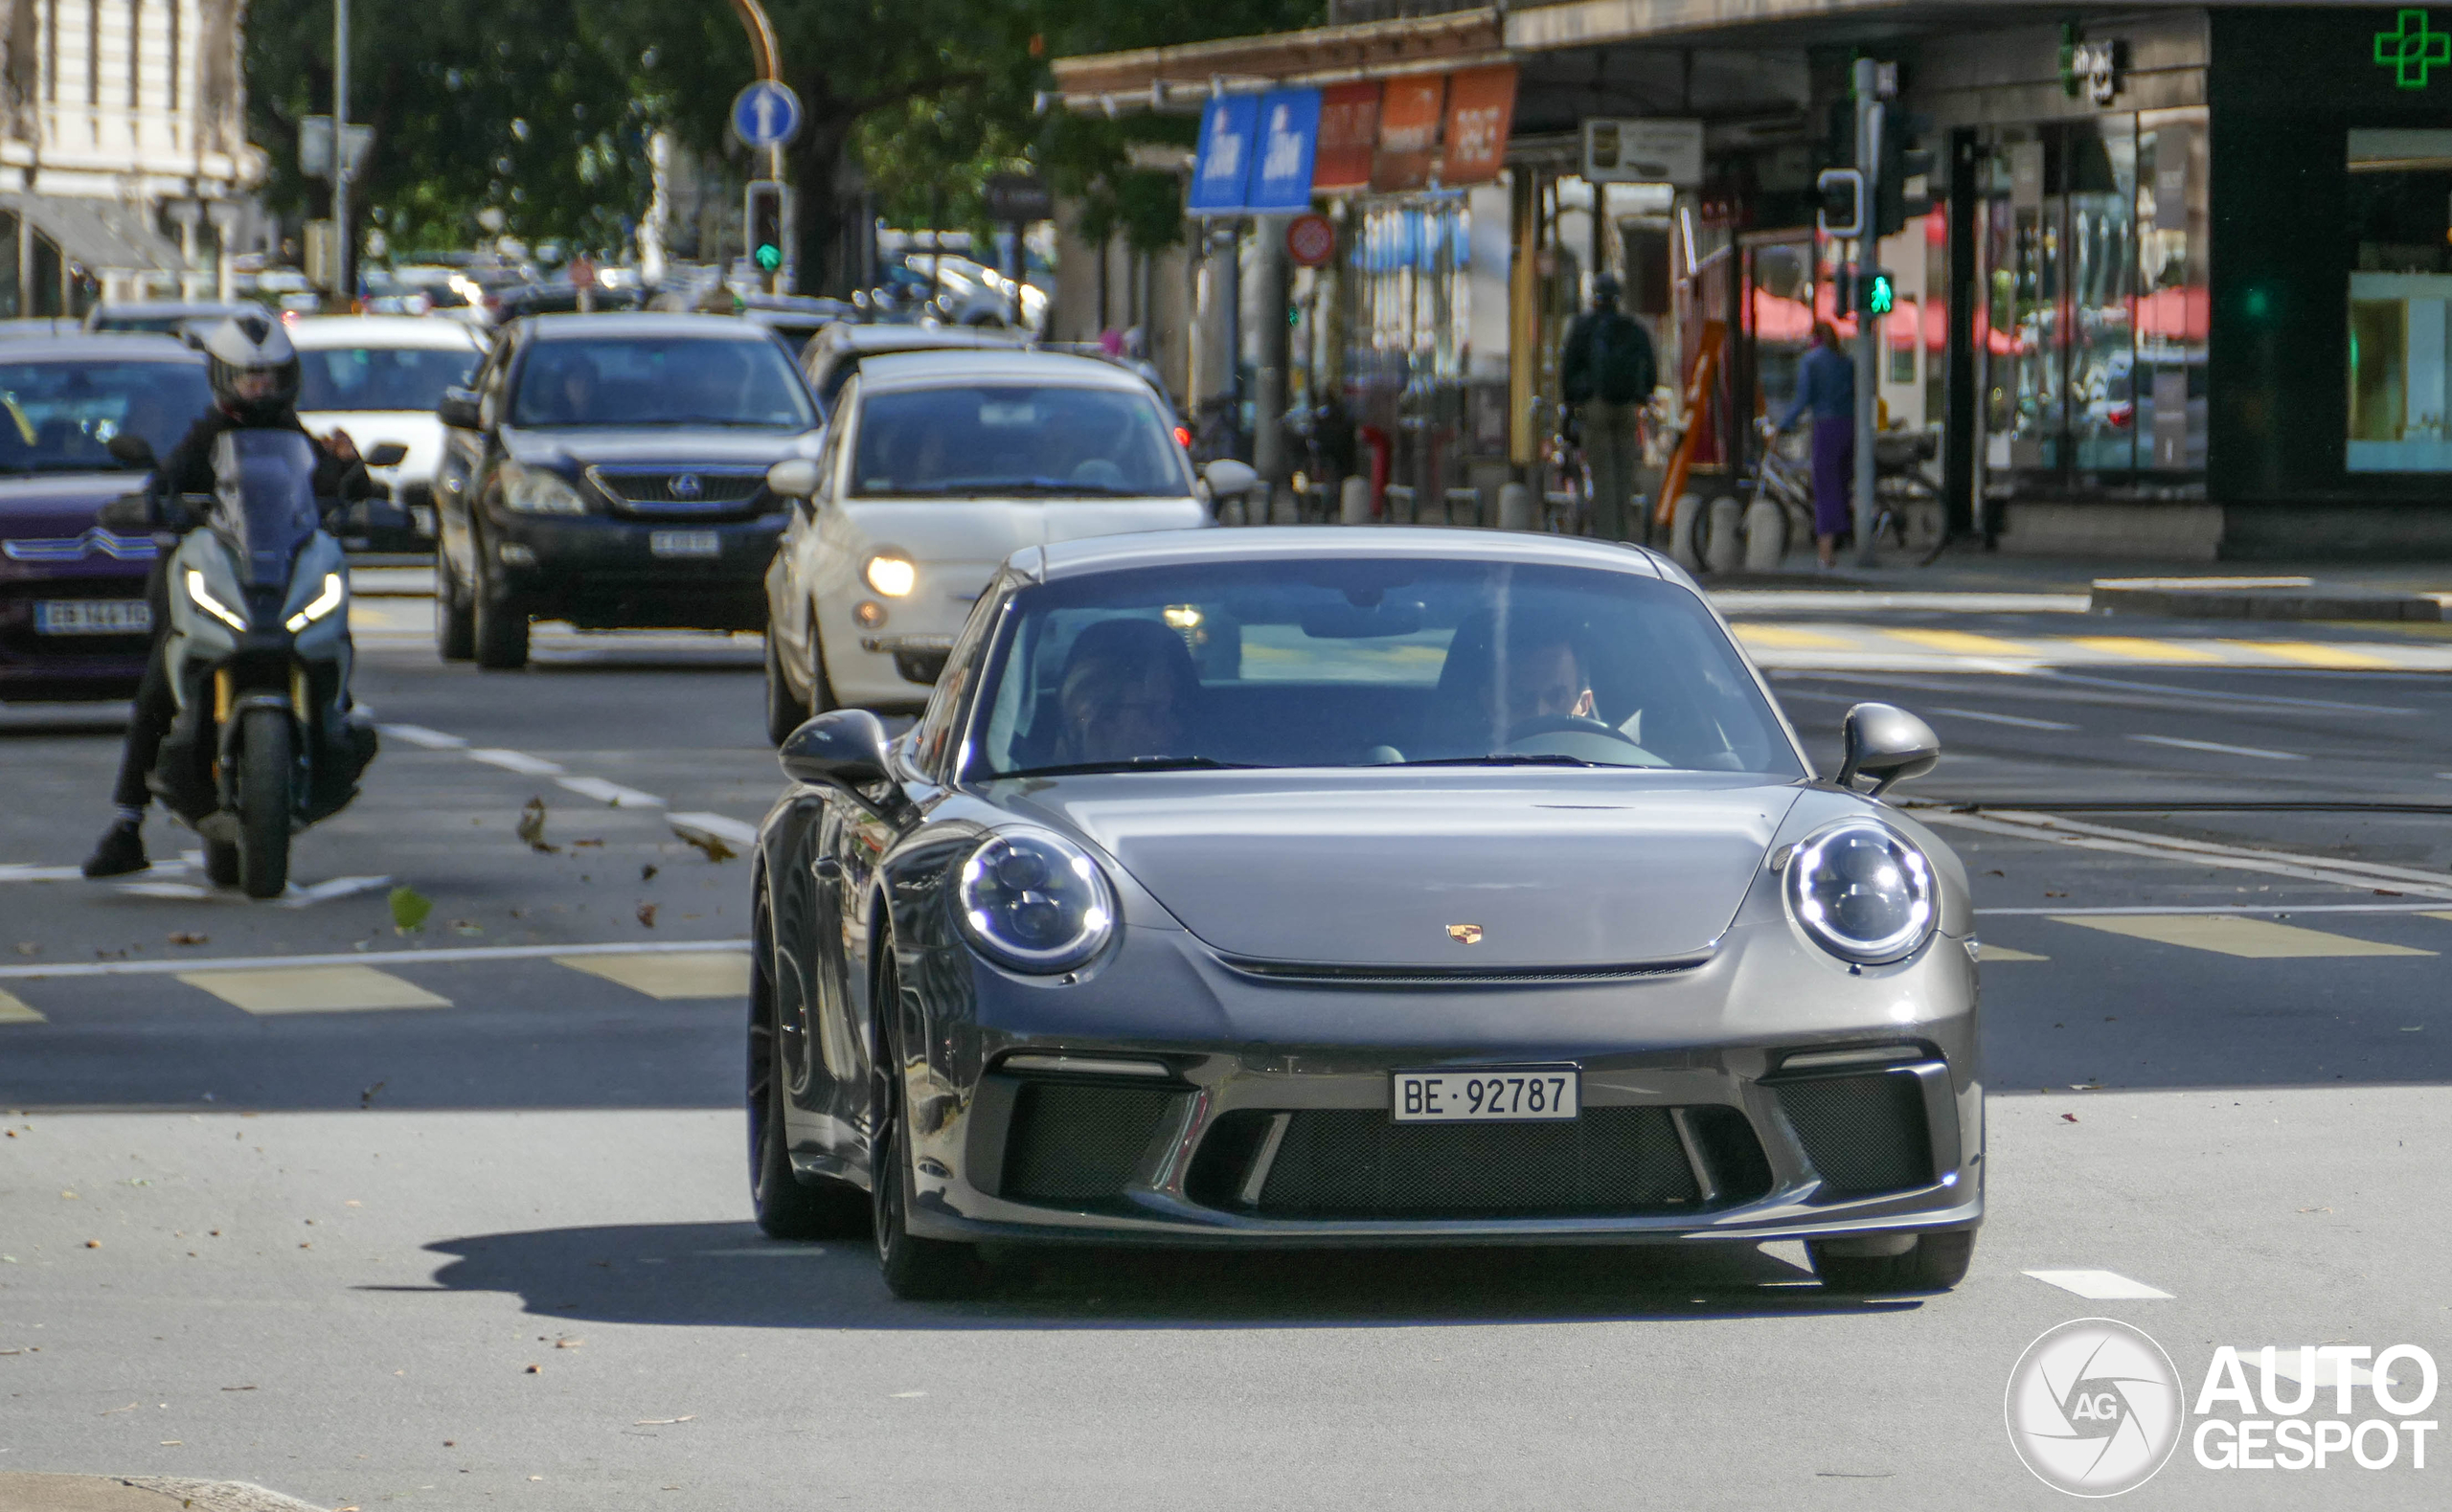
(1826, 386)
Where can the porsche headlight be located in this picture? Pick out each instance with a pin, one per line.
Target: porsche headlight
(891, 576)
(1863, 894)
(203, 599)
(529, 491)
(1034, 901)
(335, 593)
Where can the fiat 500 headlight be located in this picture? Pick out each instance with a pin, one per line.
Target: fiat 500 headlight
(1863, 894)
(1034, 901)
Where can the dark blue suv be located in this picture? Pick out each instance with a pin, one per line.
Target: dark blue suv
(610, 470)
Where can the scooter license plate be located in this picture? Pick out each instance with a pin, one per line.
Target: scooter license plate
(685, 543)
(93, 617)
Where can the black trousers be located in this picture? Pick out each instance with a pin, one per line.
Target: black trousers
(155, 705)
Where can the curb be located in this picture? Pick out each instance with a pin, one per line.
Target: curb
(24, 1492)
(2257, 598)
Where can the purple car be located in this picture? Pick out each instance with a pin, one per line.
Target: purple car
(73, 618)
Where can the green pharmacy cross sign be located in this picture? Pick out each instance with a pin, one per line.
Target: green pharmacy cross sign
(2413, 51)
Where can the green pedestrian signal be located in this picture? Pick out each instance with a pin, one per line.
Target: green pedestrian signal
(1882, 293)
(769, 257)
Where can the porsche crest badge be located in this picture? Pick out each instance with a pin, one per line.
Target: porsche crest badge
(1465, 934)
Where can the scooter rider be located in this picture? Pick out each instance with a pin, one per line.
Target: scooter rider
(255, 378)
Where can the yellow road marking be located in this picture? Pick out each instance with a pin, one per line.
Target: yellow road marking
(1991, 953)
(2314, 653)
(15, 1010)
(2229, 934)
(314, 989)
(689, 973)
(2139, 650)
(1782, 638)
(1960, 642)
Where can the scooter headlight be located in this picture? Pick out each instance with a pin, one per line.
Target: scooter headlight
(202, 597)
(1034, 901)
(1864, 893)
(336, 594)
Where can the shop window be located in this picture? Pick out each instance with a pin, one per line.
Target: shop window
(11, 298)
(46, 296)
(2400, 286)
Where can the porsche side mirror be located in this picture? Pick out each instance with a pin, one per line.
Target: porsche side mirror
(843, 748)
(459, 410)
(130, 448)
(1886, 743)
(792, 478)
(1230, 478)
(391, 454)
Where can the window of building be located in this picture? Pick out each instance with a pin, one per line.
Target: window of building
(2400, 288)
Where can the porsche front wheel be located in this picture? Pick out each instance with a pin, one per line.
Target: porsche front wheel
(786, 1207)
(914, 1269)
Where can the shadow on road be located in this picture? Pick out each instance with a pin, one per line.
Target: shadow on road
(728, 1274)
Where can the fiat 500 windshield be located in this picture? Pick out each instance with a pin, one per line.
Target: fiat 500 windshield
(975, 441)
(1359, 662)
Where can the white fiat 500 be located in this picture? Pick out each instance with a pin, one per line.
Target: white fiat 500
(380, 377)
(935, 468)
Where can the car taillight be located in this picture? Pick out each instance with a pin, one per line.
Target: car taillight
(1183, 437)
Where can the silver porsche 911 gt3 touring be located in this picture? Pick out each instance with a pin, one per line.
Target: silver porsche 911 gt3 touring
(1359, 886)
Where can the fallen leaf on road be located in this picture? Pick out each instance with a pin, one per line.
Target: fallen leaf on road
(2315, 1209)
(569, 1344)
(27, 948)
(366, 1099)
(93, 1243)
(535, 1369)
(70, 1196)
(176, 1443)
(575, 844)
(711, 845)
(182, 936)
(532, 827)
(2068, 1117)
(647, 915)
(237, 1389)
(409, 909)
(658, 1421)
(647, 873)
(466, 926)
(2086, 1086)
(115, 1411)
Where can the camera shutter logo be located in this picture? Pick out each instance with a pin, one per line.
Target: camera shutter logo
(2094, 1407)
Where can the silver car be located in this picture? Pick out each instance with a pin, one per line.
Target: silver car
(1377, 887)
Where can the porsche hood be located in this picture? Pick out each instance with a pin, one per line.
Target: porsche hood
(1481, 869)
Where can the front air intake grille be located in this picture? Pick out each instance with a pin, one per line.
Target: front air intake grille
(1862, 1134)
(1075, 1142)
(679, 491)
(1361, 1163)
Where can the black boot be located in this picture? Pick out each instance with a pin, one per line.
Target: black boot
(121, 851)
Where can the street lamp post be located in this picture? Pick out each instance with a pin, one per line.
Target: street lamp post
(343, 286)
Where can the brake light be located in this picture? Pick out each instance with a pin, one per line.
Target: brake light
(1183, 437)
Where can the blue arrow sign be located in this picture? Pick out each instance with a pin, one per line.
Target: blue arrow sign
(766, 114)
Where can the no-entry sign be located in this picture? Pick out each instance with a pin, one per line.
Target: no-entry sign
(1311, 241)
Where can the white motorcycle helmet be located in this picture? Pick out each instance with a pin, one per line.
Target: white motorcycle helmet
(254, 368)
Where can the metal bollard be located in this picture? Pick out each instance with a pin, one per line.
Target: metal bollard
(1723, 536)
(1681, 531)
(1353, 501)
(1766, 535)
(1514, 507)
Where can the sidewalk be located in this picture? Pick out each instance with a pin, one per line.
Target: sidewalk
(1969, 569)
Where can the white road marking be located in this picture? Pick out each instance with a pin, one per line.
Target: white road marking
(27, 871)
(2099, 1286)
(519, 761)
(314, 989)
(2218, 748)
(420, 735)
(373, 958)
(326, 892)
(699, 974)
(1744, 601)
(2018, 720)
(294, 896)
(612, 793)
(2084, 836)
(2245, 910)
(730, 830)
(15, 1010)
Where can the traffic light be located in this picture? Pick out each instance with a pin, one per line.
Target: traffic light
(764, 217)
(1843, 202)
(1903, 157)
(1879, 290)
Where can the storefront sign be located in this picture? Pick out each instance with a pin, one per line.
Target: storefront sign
(1221, 174)
(1348, 135)
(1289, 130)
(1408, 112)
(2413, 50)
(1643, 151)
(2094, 68)
(1311, 241)
(1481, 106)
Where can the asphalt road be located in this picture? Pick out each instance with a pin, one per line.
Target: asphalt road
(318, 1240)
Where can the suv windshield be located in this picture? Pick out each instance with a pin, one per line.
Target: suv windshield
(660, 380)
(60, 417)
(969, 439)
(381, 377)
(1369, 662)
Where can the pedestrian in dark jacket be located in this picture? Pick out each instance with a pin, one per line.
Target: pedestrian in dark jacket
(1608, 371)
(1826, 386)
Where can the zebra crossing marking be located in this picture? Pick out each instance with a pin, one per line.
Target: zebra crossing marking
(314, 989)
(2231, 935)
(700, 973)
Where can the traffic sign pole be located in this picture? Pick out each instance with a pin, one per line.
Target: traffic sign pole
(343, 288)
(1868, 123)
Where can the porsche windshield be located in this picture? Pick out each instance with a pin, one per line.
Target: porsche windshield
(1369, 662)
(1036, 440)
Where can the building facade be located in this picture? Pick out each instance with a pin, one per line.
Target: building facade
(123, 150)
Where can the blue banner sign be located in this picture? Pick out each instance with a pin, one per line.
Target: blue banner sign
(1221, 174)
(1289, 135)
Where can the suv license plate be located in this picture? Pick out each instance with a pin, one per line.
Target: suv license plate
(93, 617)
(685, 543)
(1489, 1095)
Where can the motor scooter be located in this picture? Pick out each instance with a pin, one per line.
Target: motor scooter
(266, 740)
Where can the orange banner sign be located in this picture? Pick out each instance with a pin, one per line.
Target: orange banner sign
(1348, 135)
(1481, 106)
(1409, 113)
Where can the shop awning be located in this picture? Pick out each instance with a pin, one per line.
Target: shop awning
(1179, 78)
(102, 235)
